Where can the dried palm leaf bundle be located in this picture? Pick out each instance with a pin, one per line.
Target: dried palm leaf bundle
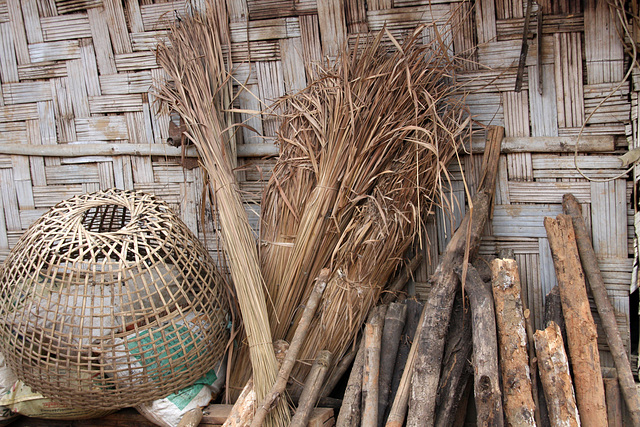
(363, 152)
(199, 91)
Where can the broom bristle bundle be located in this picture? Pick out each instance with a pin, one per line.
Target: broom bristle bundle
(363, 158)
(200, 91)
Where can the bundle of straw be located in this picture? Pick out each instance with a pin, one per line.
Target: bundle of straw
(200, 91)
(363, 154)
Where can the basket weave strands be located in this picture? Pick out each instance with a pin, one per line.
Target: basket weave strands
(108, 300)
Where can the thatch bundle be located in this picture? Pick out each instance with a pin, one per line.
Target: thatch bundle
(363, 151)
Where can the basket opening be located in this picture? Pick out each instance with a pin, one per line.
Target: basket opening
(106, 218)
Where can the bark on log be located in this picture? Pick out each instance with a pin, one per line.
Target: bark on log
(350, 410)
(456, 369)
(553, 310)
(435, 320)
(312, 388)
(398, 409)
(556, 378)
(488, 397)
(371, 373)
(581, 330)
(519, 407)
(437, 314)
(299, 336)
(606, 311)
(393, 326)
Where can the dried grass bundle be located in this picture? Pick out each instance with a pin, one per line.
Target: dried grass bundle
(363, 152)
(200, 91)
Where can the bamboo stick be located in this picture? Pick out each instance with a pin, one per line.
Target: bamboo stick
(605, 308)
(126, 149)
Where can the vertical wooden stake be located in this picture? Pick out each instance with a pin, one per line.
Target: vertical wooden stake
(581, 330)
(393, 325)
(512, 335)
(488, 396)
(371, 375)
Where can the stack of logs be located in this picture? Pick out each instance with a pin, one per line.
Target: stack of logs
(473, 325)
(418, 363)
(487, 344)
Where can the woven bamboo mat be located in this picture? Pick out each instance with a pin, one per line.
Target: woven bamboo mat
(78, 73)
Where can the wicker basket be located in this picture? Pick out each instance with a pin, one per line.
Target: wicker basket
(108, 300)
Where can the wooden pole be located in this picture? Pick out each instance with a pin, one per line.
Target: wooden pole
(519, 407)
(371, 373)
(393, 326)
(350, 411)
(299, 336)
(556, 378)
(399, 408)
(403, 368)
(581, 330)
(605, 308)
(486, 375)
(437, 312)
(312, 389)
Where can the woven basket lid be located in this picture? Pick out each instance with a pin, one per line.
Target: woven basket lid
(109, 300)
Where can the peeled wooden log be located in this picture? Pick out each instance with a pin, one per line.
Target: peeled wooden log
(519, 407)
(401, 373)
(350, 411)
(556, 378)
(605, 308)
(486, 375)
(371, 373)
(312, 388)
(581, 330)
(393, 326)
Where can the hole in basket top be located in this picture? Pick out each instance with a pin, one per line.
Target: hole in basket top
(106, 218)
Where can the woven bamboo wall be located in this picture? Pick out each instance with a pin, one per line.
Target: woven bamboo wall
(79, 73)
